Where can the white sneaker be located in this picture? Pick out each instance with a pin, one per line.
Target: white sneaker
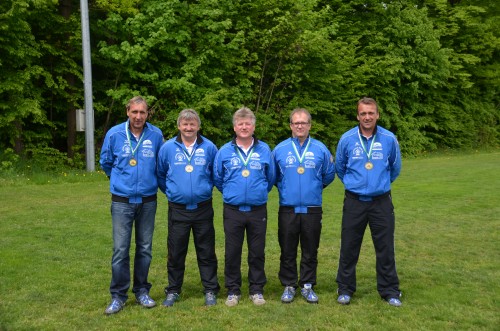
(257, 299)
(232, 300)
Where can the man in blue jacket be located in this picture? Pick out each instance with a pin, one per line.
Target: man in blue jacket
(368, 160)
(128, 157)
(304, 166)
(244, 172)
(185, 174)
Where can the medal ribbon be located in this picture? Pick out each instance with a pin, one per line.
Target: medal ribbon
(245, 161)
(189, 156)
(128, 138)
(368, 153)
(301, 157)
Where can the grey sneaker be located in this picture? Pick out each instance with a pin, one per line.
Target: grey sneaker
(171, 299)
(257, 299)
(210, 299)
(115, 306)
(395, 302)
(344, 299)
(146, 301)
(288, 294)
(308, 294)
(232, 300)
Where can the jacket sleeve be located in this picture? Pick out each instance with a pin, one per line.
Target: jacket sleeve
(328, 168)
(162, 168)
(213, 153)
(106, 159)
(340, 160)
(276, 168)
(271, 172)
(218, 171)
(395, 160)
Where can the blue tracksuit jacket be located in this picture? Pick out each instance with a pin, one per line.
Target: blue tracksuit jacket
(302, 190)
(350, 162)
(180, 186)
(244, 191)
(133, 182)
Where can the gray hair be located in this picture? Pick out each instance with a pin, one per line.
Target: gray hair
(301, 110)
(188, 115)
(244, 112)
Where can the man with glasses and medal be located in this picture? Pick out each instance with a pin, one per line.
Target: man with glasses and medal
(304, 167)
(185, 175)
(244, 173)
(368, 160)
(128, 157)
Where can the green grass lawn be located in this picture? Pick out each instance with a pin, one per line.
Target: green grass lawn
(55, 252)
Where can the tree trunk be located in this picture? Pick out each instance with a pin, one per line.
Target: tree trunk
(18, 138)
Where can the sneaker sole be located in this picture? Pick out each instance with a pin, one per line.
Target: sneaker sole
(309, 301)
(146, 306)
(395, 305)
(259, 303)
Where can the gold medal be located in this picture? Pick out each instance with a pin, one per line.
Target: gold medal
(369, 165)
(245, 173)
(189, 168)
(132, 162)
(301, 170)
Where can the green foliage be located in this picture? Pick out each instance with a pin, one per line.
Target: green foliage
(8, 160)
(37, 72)
(431, 64)
(47, 159)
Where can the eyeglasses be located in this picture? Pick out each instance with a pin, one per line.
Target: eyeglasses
(299, 123)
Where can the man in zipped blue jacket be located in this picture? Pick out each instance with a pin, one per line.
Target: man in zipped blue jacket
(185, 175)
(368, 160)
(128, 157)
(244, 173)
(304, 166)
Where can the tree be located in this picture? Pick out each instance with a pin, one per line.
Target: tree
(38, 76)
(431, 64)
(20, 100)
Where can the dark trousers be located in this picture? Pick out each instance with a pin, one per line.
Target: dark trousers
(292, 229)
(180, 224)
(379, 215)
(236, 222)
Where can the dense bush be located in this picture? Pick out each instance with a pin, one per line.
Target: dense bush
(431, 64)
